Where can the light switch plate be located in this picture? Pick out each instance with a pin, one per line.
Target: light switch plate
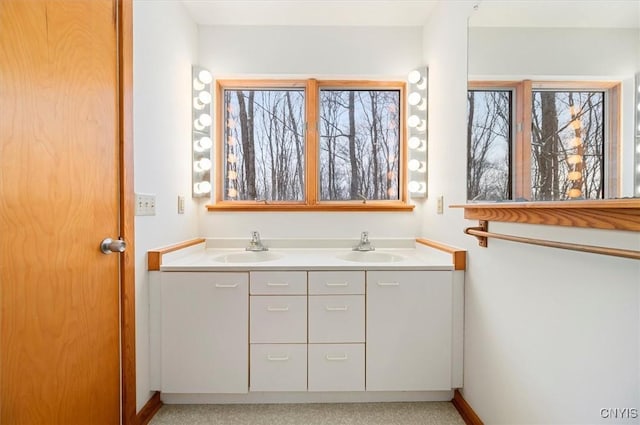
(440, 205)
(145, 204)
(180, 204)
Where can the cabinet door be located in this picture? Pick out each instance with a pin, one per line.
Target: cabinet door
(409, 330)
(205, 332)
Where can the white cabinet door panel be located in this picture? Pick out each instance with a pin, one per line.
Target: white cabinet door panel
(409, 316)
(204, 332)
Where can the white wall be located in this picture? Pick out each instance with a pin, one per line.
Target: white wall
(563, 53)
(310, 52)
(165, 46)
(580, 52)
(551, 336)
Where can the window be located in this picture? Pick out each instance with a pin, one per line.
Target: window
(264, 149)
(359, 144)
(542, 141)
(310, 145)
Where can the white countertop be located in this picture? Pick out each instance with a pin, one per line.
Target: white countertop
(319, 254)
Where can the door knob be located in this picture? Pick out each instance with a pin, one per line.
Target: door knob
(108, 245)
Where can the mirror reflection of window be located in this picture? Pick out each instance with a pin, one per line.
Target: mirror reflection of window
(542, 142)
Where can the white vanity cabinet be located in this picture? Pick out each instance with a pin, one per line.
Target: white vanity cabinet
(311, 335)
(409, 330)
(204, 332)
(278, 331)
(336, 330)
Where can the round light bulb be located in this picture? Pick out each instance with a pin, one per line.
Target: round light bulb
(574, 193)
(576, 124)
(415, 165)
(414, 77)
(204, 97)
(413, 121)
(197, 125)
(414, 142)
(205, 76)
(205, 119)
(203, 164)
(414, 186)
(574, 159)
(197, 84)
(575, 175)
(197, 104)
(203, 144)
(202, 187)
(414, 98)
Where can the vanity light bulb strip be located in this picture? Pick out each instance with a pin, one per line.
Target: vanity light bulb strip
(417, 132)
(201, 141)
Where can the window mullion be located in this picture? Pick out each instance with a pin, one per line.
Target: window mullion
(522, 147)
(311, 145)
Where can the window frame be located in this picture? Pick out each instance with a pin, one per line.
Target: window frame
(521, 138)
(311, 200)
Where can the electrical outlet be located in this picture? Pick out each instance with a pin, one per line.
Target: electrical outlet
(145, 204)
(180, 204)
(440, 205)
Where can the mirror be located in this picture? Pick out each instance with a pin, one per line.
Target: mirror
(552, 100)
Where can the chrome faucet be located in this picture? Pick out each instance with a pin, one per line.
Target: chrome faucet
(255, 244)
(365, 244)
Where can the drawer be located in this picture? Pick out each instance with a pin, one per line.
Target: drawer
(336, 282)
(278, 319)
(336, 367)
(278, 367)
(336, 318)
(278, 283)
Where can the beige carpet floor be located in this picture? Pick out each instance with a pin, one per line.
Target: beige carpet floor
(424, 413)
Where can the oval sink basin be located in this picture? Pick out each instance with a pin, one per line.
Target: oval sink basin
(371, 257)
(248, 257)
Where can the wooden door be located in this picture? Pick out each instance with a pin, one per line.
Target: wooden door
(59, 197)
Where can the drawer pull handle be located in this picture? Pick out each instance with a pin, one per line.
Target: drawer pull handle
(277, 358)
(285, 308)
(336, 283)
(388, 284)
(277, 284)
(226, 285)
(343, 308)
(341, 358)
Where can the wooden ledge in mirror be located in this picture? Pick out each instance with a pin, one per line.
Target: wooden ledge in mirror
(611, 214)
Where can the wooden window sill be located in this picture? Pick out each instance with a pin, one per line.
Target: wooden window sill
(370, 206)
(612, 214)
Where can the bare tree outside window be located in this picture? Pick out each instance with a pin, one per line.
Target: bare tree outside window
(489, 135)
(264, 145)
(567, 145)
(359, 144)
